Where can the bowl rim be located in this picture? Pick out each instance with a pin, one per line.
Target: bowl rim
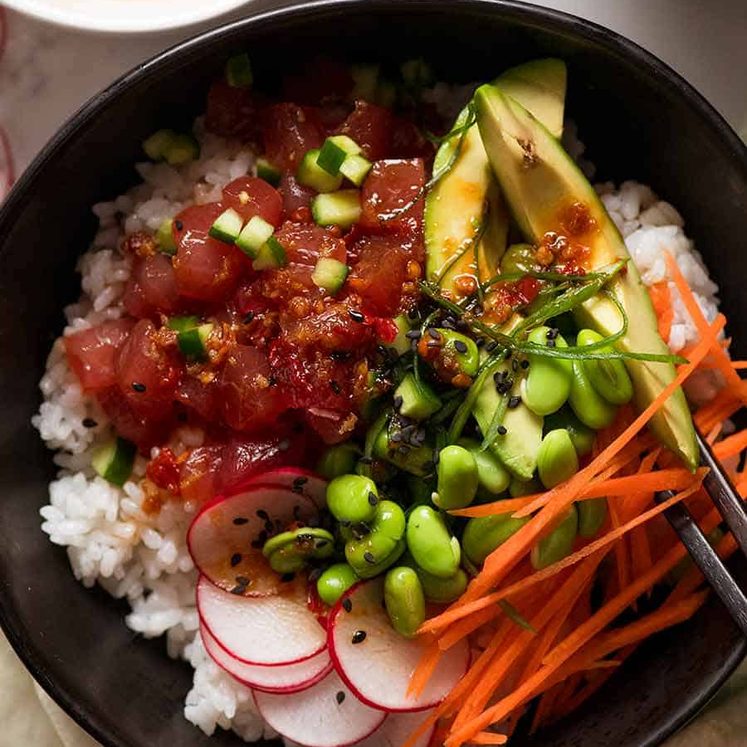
(117, 16)
(35, 660)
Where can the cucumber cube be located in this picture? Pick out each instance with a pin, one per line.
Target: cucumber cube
(182, 149)
(156, 145)
(270, 256)
(329, 274)
(341, 208)
(227, 226)
(114, 461)
(255, 233)
(419, 401)
(267, 171)
(239, 71)
(355, 168)
(165, 237)
(334, 151)
(311, 174)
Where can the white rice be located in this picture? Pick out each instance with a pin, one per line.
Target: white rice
(142, 557)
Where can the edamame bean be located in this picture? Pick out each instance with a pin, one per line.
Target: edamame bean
(431, 544)
(289, 552)
(518, 258)
(558, 544)
(548, 381)
(608, 377)
(591, 516)
(484, 534)
(582, 437)
(382, 546)
(556, 459)
(442, 590)
(457, 478)
(518, 488)
(338, 460)
(461, 349)
(404, 600)
(352, 498)
(591, 409)
(334, 582)
(491, 474)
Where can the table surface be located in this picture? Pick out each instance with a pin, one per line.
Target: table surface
(46, 73)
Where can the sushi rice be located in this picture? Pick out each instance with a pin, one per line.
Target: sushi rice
(142, 557)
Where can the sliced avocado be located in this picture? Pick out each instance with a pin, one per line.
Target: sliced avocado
(467, 195)
(517, 448)
(541, 184)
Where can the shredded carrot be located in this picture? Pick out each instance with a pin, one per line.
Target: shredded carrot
(739, 365)
(424, 670)
(622, 560)
(661, 298)
(466, 626)
(489, 737)
(731, 445)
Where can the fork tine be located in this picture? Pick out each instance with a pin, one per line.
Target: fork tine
(709, 563)
(724, 494)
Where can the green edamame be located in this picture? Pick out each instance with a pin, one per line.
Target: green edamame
(548, 381)
(457, 478)
(558, 544)
(338, 460)
(431, 544)
(518, 258)
(404, 600)
(556, 459)
(334, 582)
(518, 488)
(582, 437)
(491, 474)
(289, 552)
(608, 377)
(374, 552)
(352, 498)
(442, 590)
(591, 409)
(484, 534)
(461, 349)
(591, 516)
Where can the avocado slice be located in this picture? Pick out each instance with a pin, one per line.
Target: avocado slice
(468, 195)
(541, 184)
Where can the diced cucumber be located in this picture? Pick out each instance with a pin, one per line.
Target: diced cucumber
(227, 226)
(192, 336)
(311, 174)
(334, 151)
(329, 274)
(355, 168)
(269, 172)
(400, 344)
(239, 71)
(182, 323)
(271, 255)
(253, 235)
(157, 144)
(419, 401)
(114, 461)
(182, 149)
(341, 208)
(365, 80)
(165, 237)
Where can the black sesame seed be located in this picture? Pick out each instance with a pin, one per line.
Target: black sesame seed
(373, 499)
(413, 334)
(262, 514)
(314, 574)
(551, 343)
(396, 437)
(138, 387)
(525, 364)
(242, 580)
(514, 402)
(89, 423)
(460, 346)
(239, 589)
(178, 225)
(514, 365)
(552, 333)
(334, 386)
(240, 520)
(269, 526)
(340, 697)
(491, 346)
(480, 341)
(502, 430)
(339, 355)
(356, 315)
(347, 604)
(397, 402)
(403, 449)
(433, 344)
(287, 577)
(235, 559)
(369, 558)
(249, 317)
(321, 543)
(434, 333)
(359, 636)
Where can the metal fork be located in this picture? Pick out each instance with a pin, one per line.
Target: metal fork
(732, 509)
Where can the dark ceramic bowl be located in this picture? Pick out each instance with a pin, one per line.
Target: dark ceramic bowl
(638, 119)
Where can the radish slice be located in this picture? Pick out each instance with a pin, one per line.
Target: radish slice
(378, 669)
(396, 730)
(325, 715)
(298, 480)
(220, 537)
(290, 678)
(268, 631)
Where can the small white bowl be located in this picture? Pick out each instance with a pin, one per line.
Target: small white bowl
(123, 16)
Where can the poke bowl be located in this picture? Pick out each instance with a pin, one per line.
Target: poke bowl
(350, 418)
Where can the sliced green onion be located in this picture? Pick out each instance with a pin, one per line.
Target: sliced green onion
(239, 71)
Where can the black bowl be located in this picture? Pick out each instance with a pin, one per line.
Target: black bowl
(638, 119)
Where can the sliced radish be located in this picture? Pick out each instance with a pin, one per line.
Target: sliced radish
(325, 715)
(220, 537)
(397, 729)
(379, 667)
(268, 631)
(290, 678)
(296, 479)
